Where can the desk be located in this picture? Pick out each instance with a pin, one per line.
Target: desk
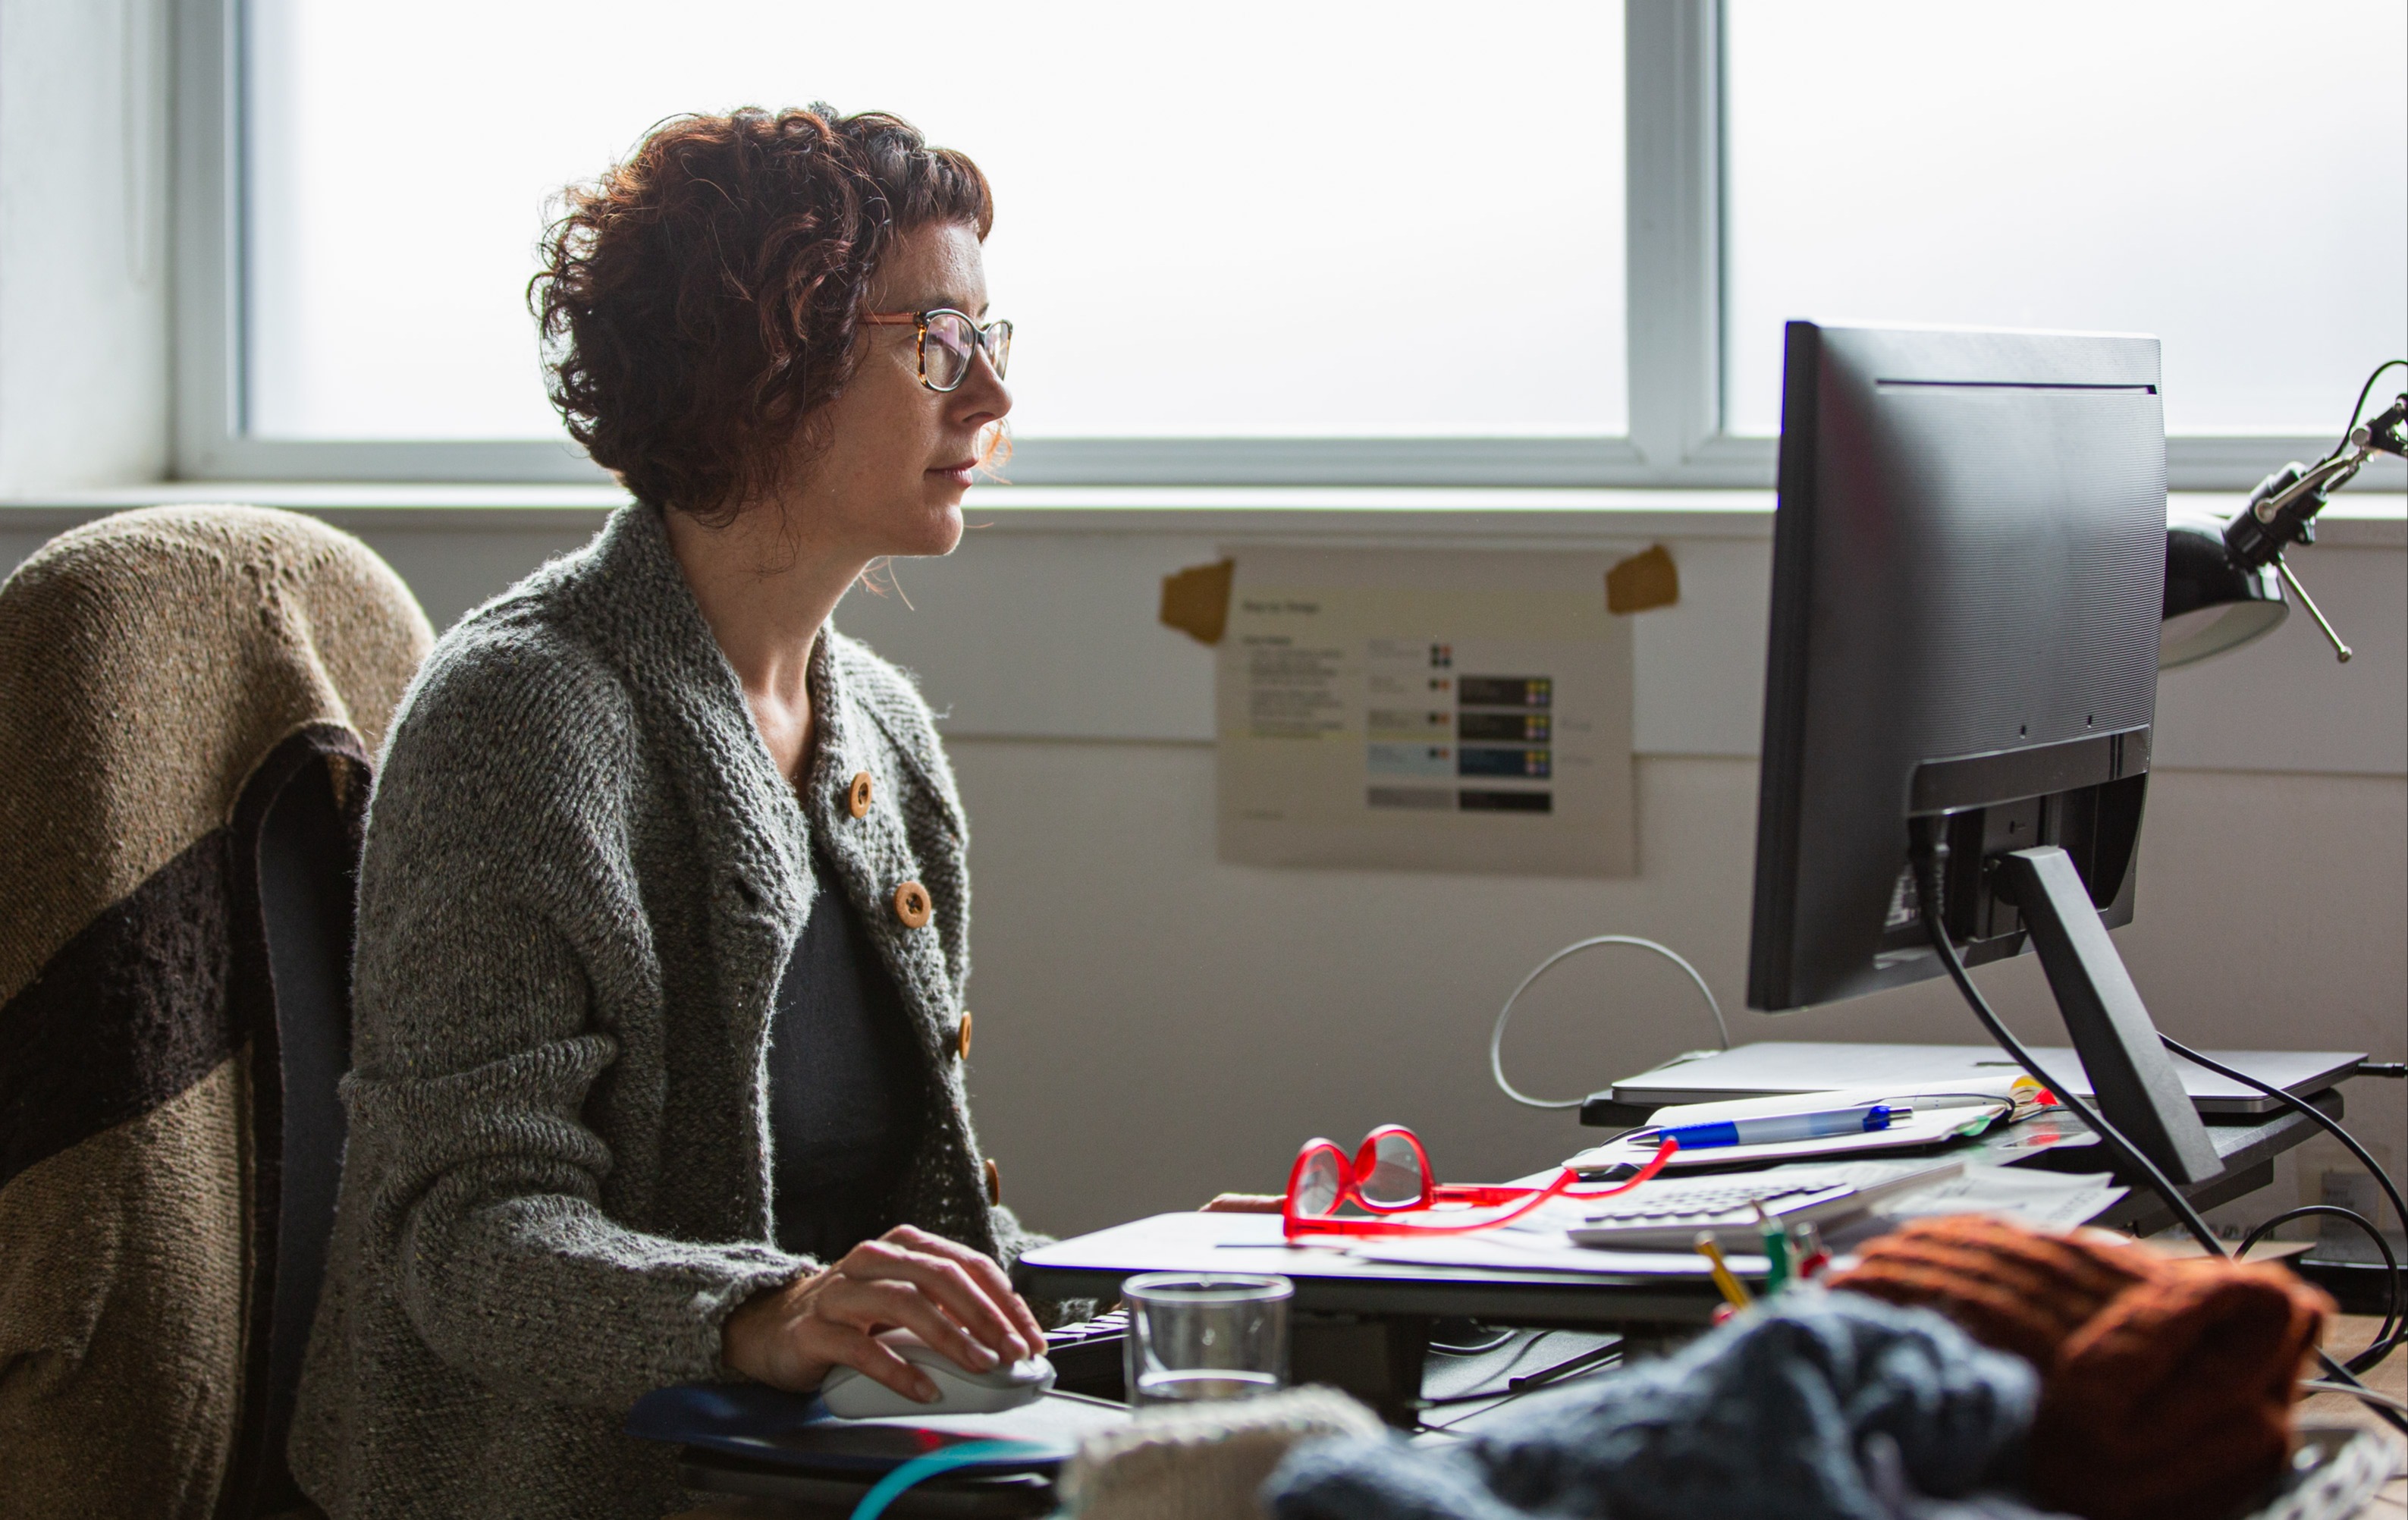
(1362, 1325)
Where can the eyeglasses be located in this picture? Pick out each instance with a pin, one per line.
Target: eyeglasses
(1390, 1174)
(947, 340)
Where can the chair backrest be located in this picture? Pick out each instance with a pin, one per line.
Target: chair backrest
(306, 851)
(189, 698)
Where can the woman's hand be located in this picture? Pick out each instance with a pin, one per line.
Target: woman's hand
(953, 1297)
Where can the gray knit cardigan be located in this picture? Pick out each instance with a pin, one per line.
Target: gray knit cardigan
(583, 878)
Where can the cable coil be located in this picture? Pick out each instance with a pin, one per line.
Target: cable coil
(1496, 1033)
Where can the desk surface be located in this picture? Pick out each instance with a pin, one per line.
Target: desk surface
(2349, 1335)
(1328, 1282)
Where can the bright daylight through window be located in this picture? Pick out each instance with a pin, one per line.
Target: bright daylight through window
(2222, 173)
(1253, 218)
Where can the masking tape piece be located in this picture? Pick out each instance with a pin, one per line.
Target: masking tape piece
(1643, 581)
(1195, 601)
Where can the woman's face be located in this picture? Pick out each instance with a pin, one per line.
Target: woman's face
(889, 459)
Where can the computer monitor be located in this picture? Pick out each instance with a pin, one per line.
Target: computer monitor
(1969, 567)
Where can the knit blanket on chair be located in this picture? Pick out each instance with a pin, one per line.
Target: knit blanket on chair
(162, 673)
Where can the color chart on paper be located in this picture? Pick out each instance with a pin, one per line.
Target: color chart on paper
(1425, 711)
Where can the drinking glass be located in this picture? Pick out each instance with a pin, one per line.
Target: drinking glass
(1193, 1336)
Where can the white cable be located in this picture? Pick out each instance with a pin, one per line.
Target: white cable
(1497, 1036)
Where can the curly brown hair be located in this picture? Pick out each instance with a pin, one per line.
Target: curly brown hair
(699, 301)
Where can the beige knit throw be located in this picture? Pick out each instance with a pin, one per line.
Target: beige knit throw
(149, 663)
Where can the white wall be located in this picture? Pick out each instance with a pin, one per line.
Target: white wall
(1154, 1025)
(83, 243)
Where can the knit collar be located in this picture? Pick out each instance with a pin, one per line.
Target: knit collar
(746, 816)
(748, 821)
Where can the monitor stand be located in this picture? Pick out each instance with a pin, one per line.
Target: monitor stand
(2131, 1073)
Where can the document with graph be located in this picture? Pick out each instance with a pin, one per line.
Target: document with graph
(1424, 710)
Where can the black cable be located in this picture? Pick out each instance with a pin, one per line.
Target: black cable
(1927, 892)
(2389, 1333)
(2373, 1169)
(1924, 857)
(2359, 411)
(1493, 1394)
(2297, 1105)
(1502, 1338)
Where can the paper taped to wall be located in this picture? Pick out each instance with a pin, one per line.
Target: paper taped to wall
(1425, 711)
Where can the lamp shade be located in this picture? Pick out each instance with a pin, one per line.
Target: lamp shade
(2212, 603)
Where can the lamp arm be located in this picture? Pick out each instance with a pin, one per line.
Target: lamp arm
(2341, 651)
(2319, 482)
(2281, 512)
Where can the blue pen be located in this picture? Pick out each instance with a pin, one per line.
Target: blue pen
(1774, 1129)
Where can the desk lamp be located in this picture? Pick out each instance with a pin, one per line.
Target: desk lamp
(2224, 587)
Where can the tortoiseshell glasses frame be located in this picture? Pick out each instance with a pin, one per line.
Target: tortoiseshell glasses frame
(945, 364)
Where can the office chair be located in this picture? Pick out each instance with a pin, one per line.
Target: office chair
(189, 699)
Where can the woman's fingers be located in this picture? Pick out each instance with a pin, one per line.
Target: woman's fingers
(878, 1304)
(947, 1281)
(988, 1273)
(956, 1299)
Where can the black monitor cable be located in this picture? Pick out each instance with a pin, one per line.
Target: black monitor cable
(2394, 1331)
(1929, 850)
(2359, 411)
(2387, 1336)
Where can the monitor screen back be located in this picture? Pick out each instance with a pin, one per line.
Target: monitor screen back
(1968, 566)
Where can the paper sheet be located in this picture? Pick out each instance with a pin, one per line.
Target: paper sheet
(2043, 1199)
(1542, 1251)
(1425, 711)
(1538, 1241)
(1933, 1127)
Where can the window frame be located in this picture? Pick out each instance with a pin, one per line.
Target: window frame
(1673, 217)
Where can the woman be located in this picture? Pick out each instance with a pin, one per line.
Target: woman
(663, 917)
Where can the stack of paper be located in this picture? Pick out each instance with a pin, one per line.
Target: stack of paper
(1942, 1112)
(1539, 1240)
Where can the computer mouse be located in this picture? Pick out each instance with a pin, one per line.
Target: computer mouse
(851, 1395)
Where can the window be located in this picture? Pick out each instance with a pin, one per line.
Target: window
(1256, 219)
(1413, 243)
(2064, 164)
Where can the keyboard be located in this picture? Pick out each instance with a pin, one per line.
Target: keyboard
(1667, 1212)
(1086, 1356)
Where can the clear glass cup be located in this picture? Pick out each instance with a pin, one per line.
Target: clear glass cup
(1195, 1336)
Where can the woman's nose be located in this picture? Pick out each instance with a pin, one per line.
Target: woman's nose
(982, 395)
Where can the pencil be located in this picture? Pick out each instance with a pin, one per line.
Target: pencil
(1732, 1288)
(1776, 1248)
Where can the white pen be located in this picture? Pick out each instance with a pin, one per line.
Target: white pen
(1950, 1100)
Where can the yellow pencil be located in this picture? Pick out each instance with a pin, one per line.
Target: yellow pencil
(1733, 1289)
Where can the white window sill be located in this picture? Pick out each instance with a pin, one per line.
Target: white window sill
(2356, 519)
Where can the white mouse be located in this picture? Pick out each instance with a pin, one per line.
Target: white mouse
(851, 1395)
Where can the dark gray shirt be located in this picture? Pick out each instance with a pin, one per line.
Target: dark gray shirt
(842, 1083)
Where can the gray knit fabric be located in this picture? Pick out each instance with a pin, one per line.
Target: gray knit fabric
(1812, 1405)
(583, 878)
